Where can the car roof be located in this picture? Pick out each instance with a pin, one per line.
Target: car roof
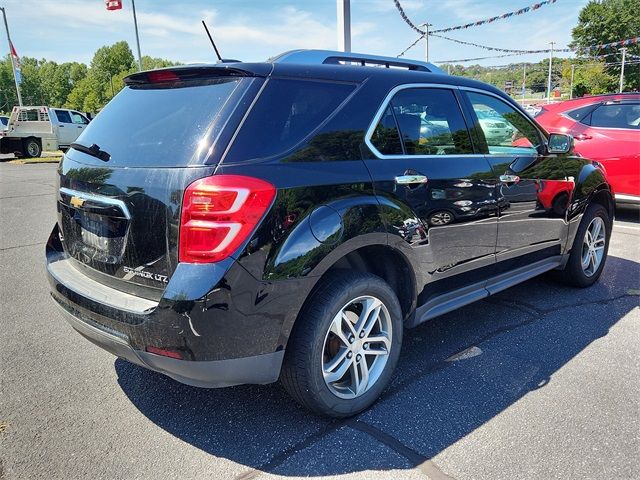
(334, 66)
(590, 100)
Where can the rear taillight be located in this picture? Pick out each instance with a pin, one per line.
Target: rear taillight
(219, 213)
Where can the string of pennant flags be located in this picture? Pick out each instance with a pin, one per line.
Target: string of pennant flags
(536, 6)
(514, 52)
(521, 11)
(530, 8)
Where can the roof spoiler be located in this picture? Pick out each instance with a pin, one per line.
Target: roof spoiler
(186, 73)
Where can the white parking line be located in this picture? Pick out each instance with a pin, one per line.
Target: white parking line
(624, 226)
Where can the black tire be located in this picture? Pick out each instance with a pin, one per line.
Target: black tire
(32, 147)
(574, 273)
(302, 371)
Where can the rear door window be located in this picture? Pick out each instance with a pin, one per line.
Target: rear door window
(386, 136)
(286, 112)
(429, 120)
(162, 125)
(626, 115)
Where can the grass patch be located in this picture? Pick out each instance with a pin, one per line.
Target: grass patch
(47, 157)
(23, 161)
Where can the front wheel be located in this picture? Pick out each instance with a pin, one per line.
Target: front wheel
(590, 247)
(344, 345)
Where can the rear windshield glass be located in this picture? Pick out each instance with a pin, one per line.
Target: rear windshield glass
(286, 112)
(160, 126)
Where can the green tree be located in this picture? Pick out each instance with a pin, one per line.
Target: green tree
(606, 21)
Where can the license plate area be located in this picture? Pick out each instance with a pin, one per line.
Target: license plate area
(94, 237)
(101, 233)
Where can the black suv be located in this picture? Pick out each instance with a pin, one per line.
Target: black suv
(249, 222)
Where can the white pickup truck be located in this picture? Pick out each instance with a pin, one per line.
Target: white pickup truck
(30, 130)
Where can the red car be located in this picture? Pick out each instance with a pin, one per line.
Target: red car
(606, 128)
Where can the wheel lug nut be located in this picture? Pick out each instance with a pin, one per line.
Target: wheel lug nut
(362, 334)
(350, 354)
(352, 339)
(358, 357)
(366, 346)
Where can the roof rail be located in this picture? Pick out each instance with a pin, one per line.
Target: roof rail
(330, 57)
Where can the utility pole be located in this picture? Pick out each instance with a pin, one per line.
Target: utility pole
(135, 24)
(426, 40)
(624, 54)
(13, 65)
(344, 25)
(524, 80)
(549, 80)
(573, 70)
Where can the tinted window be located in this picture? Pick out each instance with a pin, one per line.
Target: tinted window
(286, 112)
(63, 116)
(505, 129)
(161, 125)
(429, 120)
(617, 116)
(386, 137)
(580, 113)
(4, 121)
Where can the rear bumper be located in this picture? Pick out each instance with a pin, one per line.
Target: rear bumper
(258, 369)
(219, 345)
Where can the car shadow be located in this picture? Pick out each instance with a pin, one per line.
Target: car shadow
(628, 213)
(513, 343)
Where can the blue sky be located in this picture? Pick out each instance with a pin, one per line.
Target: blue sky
(67, 30)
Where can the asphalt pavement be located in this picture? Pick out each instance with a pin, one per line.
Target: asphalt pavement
(540, 381)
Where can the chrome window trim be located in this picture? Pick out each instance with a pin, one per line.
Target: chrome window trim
(385, 104)
(98, 198)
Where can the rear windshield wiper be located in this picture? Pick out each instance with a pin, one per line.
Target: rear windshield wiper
(93, 150)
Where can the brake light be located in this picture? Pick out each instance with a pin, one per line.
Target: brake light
(160, 76)
(219, 213)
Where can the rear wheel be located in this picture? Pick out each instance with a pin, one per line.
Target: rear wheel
(344, 345)
(32, 147)
(590, 247)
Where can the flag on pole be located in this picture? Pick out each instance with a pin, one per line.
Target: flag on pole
(16, 63)
(113, 4)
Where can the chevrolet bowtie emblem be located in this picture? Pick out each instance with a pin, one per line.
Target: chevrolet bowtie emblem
(77, 202)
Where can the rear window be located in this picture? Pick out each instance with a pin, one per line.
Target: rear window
(162, 125)
(286, 112)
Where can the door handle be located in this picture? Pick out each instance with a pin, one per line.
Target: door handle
(79, 126)
(583, 136)
(509, 178)
(60, 126)
(411, 179)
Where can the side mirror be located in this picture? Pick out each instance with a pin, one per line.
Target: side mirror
(559, 143)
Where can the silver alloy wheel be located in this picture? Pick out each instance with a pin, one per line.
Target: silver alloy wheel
(356, 347)
(32, 149)
(593, 246)
(441, 218)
